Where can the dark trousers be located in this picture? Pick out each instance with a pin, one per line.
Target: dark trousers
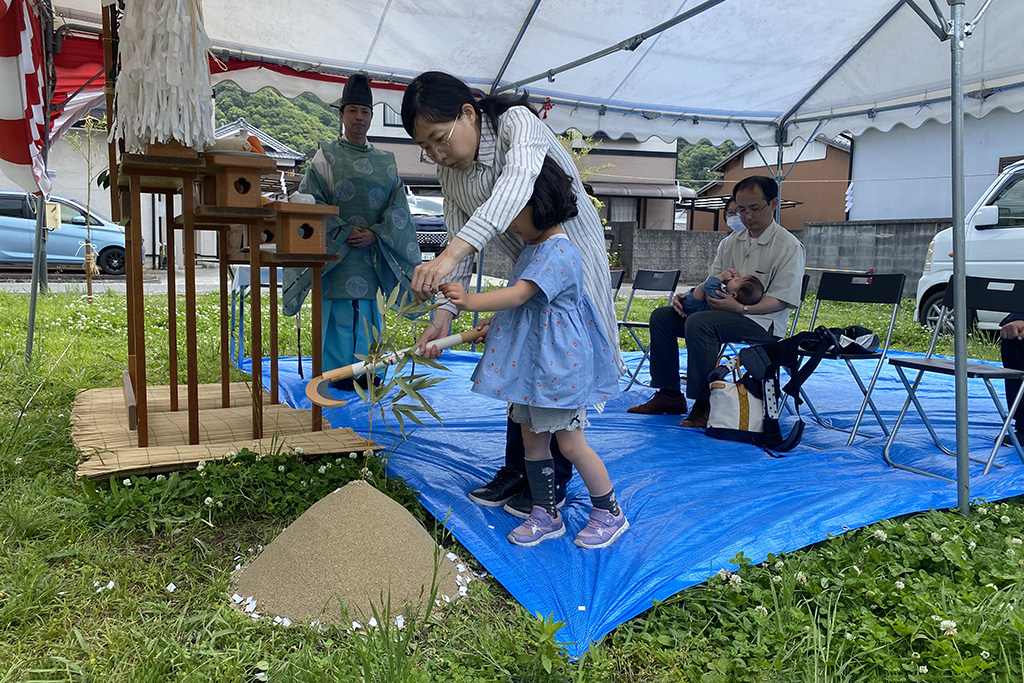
(705, 332)
(515, 454)
(1012, 351)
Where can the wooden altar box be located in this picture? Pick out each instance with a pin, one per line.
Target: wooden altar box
(300, 227)
(234, 179)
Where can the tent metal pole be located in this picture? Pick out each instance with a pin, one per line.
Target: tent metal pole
(938, 12)
(515, 45)
(629, 44)
(956, 48)
(34, 287)
(838, 65)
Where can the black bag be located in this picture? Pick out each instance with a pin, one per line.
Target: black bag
(763, 363)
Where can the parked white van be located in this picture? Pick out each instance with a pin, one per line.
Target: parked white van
(994, 232)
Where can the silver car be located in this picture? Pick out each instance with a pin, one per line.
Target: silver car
(65, 245)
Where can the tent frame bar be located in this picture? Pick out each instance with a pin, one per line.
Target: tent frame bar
(515, 45)
(939, 32)
(629, 45)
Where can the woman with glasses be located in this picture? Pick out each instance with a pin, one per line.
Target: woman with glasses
(488, 153)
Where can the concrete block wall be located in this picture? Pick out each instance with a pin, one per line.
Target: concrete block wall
(894, 246)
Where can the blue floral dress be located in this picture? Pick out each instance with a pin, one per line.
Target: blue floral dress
(552, 351)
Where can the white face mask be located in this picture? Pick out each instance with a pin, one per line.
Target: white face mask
(735, 223)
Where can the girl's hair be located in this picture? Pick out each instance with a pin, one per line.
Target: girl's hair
(553, 199)
(435, 97)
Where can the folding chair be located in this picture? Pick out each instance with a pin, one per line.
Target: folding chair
(648, 281)
(987, 294)
(617, 277)
(884, 289)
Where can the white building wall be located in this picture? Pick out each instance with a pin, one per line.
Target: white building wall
(905, 173)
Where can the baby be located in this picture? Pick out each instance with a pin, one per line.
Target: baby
(746, 289)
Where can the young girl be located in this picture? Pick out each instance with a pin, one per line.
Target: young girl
(548, 356)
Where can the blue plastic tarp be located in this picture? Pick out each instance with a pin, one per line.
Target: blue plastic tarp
(693, 502)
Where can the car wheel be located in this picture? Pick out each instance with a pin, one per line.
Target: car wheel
(931, 308)
(111, 261)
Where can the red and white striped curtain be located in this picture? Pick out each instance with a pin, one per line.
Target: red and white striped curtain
(22, 104)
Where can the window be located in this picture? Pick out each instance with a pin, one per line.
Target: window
(12, 207)
(622, 210)
(69, 213)
(392, 117)
(1011, 204)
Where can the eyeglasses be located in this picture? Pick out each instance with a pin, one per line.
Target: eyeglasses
(442, 147)
(750, 210)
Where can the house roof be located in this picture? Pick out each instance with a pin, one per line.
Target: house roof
(838, 142)
(274, 148)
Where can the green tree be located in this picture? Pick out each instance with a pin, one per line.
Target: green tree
(695, 161)
(301, 123)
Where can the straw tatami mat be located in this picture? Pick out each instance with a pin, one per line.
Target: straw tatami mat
(109, 448)
(158, 398)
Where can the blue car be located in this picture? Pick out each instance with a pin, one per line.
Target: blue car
(64, 246)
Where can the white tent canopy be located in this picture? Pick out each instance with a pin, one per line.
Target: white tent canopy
(725, 65)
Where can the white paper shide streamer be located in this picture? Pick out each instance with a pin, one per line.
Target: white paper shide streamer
(163, 90)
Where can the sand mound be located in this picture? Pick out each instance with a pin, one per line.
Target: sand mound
(353, 545)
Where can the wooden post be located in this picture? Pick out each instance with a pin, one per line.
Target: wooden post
(318, 341)
(272, 281)
(225, 360)
(255, 330)
(188, 234)
(172, 303)
(136, 304)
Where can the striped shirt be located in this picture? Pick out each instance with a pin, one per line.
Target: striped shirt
(481, 202)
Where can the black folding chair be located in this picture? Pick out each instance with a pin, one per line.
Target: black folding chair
(617, 277)
(886, 289)
(646, 281)
(987, 294)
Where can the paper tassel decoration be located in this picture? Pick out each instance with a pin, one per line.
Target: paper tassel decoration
(163, 89)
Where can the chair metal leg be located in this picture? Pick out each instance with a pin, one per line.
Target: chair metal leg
(867, 399)
(1007, 417)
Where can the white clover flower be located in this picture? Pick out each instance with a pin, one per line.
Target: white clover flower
(18, 461)
(230, 454)
(849, 636)
(127, 482)
(915, 655)
(201, 465)
(298, 449)
(735, 581)
(948, 627)
(208, 502)
(160, 477)
(303, 483)
(368, 453)
(280, 468)
(1004, 519)
(936, 617)
(982, 511)
(723, 574)
(801, 578)
(900, 585)
(322, 470)
(780, 564)
(1016, 541)
(776, 579)
(972, 545)
(984, 654)
(977, 527)
(880, 535)
(352, 455)
(922, 669)
(762, 610)
(906, 526)
(1010, 552)
(337, 461)
(935, 537)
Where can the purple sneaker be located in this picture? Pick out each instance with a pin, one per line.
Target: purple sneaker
(602, 529)
(539, 526)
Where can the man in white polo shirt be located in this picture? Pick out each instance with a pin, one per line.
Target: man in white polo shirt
(766, 250)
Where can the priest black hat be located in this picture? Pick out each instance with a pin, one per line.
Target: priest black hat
(357, 91)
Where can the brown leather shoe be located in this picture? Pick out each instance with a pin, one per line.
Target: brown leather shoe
(698, 416)
(660, 404)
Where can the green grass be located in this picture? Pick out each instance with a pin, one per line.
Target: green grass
(866, 606)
